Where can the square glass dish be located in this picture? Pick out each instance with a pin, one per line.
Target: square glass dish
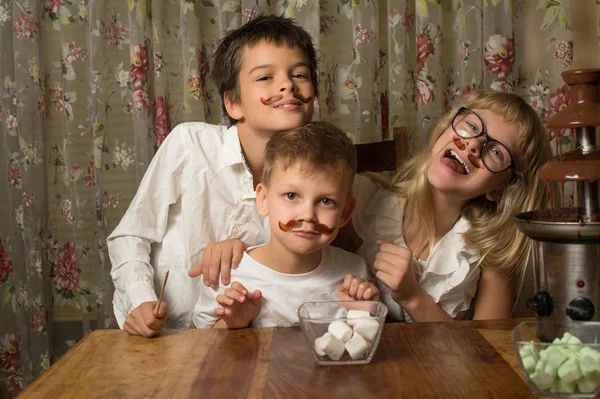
(339, 332)
(565, 363)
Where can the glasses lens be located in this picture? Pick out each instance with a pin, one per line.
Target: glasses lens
(495, 156)
(467, 124)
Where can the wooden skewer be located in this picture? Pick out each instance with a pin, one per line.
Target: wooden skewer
(162, 291)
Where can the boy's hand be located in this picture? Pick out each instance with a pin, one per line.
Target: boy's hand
(394, 268)
(219, 257)
(146, 320)
(239, 307)
(357, 289)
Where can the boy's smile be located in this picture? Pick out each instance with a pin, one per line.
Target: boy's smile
(276, 91)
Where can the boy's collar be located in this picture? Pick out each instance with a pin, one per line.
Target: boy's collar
(233, 148)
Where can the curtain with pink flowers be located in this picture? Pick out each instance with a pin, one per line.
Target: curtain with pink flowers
(89, 89)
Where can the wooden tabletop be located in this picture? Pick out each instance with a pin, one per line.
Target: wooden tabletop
(473, 359)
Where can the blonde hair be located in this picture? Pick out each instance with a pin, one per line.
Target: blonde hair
(493, 233)
(318, 146)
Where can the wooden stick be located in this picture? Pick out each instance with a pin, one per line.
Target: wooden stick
(162, 291)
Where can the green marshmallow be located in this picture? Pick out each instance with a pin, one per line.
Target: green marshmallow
(541, 380)
(565, 338)
(589, 362)
(586, 385)
(529, 350)
(557, 357)
(565, 366)
(544, 353)
(573, 340)
(569, 371)
(529, 363)
(561, 386)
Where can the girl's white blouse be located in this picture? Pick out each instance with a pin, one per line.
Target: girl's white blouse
(450, 274)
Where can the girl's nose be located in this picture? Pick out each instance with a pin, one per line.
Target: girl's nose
(474, 145)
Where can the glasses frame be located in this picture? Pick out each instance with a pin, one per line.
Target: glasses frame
(487, 139)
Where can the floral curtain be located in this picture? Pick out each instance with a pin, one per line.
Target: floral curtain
(91, 88)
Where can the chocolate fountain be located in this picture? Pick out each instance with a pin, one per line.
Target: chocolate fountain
(567, 239)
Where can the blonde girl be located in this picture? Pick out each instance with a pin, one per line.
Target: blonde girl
(441, 236)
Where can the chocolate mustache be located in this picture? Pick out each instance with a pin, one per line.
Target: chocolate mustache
(271, 100)
(279, 97)
(321, 228)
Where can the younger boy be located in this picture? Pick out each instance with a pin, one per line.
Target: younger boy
(306, 193)
(199, 187)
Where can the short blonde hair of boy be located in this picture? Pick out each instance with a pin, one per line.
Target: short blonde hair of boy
(493, 232)
(317, 146)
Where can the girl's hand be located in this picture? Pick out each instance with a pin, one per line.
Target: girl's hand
(394, 268)
(357, 289)
(239, 307)
(219, 257)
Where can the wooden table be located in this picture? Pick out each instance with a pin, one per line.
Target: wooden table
(472, 359)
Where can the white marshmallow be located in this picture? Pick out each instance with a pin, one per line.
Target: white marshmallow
(357, 346)
(340, 330)
(330, 345)
(318, 345)
(355, 314)
(367, 328)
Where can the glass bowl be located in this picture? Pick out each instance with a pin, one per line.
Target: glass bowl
(559, 360)
(339, 332)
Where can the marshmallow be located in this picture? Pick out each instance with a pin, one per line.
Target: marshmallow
(357, 346)
(367, 328)
(355, 314)
(569, 372)
(340, 330)
(330, 345)
(587, 385)
(318, 345)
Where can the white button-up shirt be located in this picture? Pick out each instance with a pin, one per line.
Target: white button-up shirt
(451, 273)
(197, 191)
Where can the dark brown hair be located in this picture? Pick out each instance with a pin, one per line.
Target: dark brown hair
(319, 146)
(227, 59)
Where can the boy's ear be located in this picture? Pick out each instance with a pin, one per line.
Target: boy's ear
(261, 200)
(232, 107)
(348, 210)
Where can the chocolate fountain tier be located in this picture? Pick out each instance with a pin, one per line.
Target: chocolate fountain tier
(572, 166)
(564, 225)
(584, 107)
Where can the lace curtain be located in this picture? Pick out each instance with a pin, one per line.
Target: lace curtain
(91, 88)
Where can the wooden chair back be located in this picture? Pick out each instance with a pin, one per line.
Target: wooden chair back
(384, 155)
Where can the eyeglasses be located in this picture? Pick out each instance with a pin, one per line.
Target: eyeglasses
(494, 155)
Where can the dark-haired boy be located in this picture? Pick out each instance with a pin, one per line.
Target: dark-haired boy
(199, 187)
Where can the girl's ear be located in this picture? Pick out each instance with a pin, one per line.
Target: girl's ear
(233, 108)
(261, 200)
(348, 210)
(496, 194)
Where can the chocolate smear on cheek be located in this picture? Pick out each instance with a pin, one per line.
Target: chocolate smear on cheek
(458, 143)
(474, 161)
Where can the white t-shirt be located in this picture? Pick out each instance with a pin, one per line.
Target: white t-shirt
(283, 293)
(197, 191)
(450, 275)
